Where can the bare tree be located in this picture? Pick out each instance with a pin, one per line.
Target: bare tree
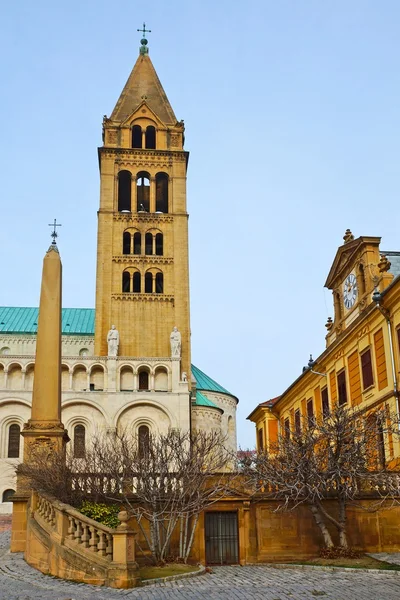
(338, 457)
(164, 481)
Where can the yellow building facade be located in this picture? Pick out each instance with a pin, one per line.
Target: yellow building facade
(361, 363)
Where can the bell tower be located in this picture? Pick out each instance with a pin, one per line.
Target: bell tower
(142, 282)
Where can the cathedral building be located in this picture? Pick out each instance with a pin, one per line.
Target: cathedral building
(128, 362)
(361, 363)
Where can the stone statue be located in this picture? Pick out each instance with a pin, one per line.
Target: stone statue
(113, 341)
(184, 376)
(176, 342)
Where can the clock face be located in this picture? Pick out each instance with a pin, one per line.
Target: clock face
(350, 291)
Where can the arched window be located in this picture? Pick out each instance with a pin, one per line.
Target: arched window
(126, 282)
(126, 243)
(148, 244)
(161, 380)
(136, 136)
(144, 440)
(159, 244)
(162, 192)
(83, 352)
(5, 350)
(13, 441)
(143, 192)
(137, 243)
(124, 191)
(7, 495)
(143, 380)
(148, 283)
(79, 441)
(159, 283)
(136, 282)
(150, 137)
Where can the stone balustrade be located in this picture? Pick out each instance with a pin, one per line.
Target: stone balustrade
(63, 542)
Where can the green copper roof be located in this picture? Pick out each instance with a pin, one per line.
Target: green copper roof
(201, 400)
(75, 321)
(204, 382)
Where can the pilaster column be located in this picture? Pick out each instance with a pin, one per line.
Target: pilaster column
(133, 199)
(23, 373)
(135, 382)
(151, 382)
(152, 194)
(70, 375)
(5, 379)
(87, 380)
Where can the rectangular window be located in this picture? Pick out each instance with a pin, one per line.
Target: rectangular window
(310, 412)
(341, 384)
(297, 422)
(287, 429)
(325, 402)
(260, 440)
(366, 368)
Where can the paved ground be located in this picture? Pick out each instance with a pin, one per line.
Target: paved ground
(18, 581)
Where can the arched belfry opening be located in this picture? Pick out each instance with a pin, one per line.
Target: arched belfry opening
(136, 136)
(162, 192)
(124, 191)
(143, 192)
(150, 137)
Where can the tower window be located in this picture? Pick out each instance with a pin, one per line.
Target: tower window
(162, 192)
(159, 244)
(13, 441)
(143, 192)
(159, 283)
(149, 244)
(150, 137)
(126, 282)
(136, 282)
(124, 191)
(126, 243)
(143, 380)
(137, 243)
(148, 283)
(79, 441)
(136, 136)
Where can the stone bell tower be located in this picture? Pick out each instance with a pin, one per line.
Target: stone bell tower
(142, 284)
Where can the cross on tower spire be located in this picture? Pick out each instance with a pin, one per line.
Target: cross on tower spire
(143, 48)
(54, 233)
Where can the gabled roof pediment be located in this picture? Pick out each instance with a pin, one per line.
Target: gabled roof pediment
(345, 255)
(143, 84)
(143, 111)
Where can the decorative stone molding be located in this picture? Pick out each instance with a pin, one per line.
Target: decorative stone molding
(136, 259)
(134, 297)
(143, 217)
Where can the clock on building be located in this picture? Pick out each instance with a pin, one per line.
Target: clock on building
(350, 290)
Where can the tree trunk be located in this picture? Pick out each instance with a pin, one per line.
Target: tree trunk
(342, 521)
(320, 522)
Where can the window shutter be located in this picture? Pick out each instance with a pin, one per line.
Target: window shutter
(366, 367)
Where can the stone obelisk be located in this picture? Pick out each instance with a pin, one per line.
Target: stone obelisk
(44, 431)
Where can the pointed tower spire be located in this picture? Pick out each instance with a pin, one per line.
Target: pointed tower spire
(143, 85)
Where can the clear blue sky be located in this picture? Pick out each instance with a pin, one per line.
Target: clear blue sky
(292, 121)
